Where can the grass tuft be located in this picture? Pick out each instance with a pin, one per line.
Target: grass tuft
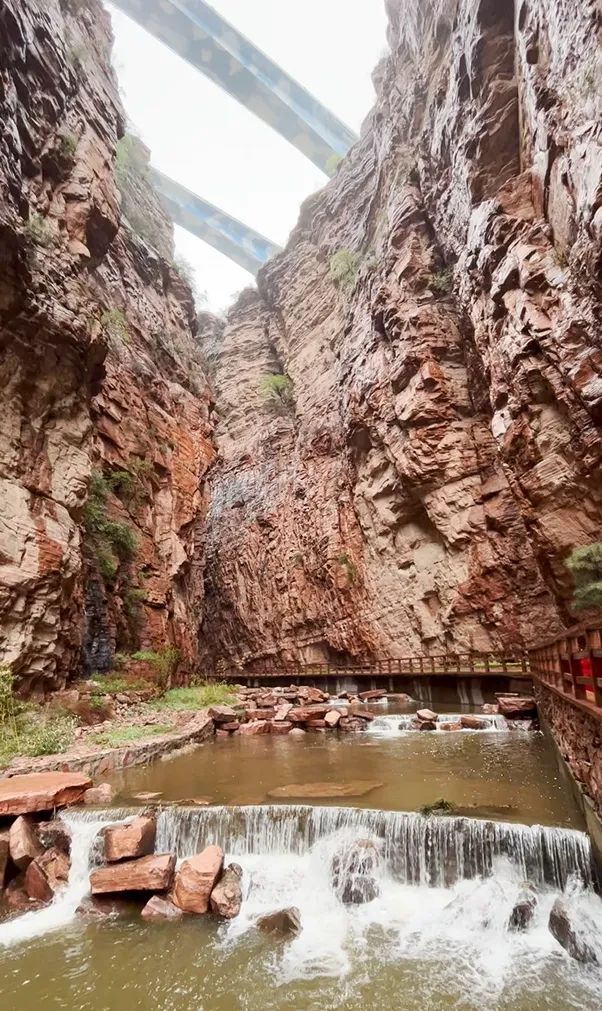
(197, 697)
(125, 735)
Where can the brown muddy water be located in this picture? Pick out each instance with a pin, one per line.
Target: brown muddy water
(434, 939)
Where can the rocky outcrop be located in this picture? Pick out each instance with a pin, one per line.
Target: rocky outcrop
(105, 435)
(419, 481)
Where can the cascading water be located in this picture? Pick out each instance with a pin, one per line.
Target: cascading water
(84, 827)
(392, 726)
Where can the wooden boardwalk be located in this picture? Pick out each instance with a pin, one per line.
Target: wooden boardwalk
(457, 665)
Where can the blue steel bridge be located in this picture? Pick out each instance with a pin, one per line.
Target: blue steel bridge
(197, 33)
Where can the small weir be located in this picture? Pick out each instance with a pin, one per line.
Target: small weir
(391, 726)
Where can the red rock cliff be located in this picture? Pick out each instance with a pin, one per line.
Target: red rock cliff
(438, 313)
(104, 430)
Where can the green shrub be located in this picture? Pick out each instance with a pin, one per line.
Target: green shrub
(35, 734)
(344, 267)
(197, 697)
(111, 541)
(346, 564)
(115, 324)
(277, 391)
(8, 702)
(585, 564)
(113, 685)
(38, 231)
(164, 661)
(333, 163)
(442, 281)
(67, 146)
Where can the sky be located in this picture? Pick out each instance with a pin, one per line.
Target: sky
(206, 140)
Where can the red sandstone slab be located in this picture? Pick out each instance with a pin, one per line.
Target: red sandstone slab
(41, 791)
(148, 874)
(196, 878)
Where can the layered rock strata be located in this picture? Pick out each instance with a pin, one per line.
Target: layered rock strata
(418, 481)
(104, 434)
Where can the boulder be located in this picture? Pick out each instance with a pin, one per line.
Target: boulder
(99, 795)
(350, 725)
(282, 924)
(196, 879)
(226, 897)
(23, 843)
(147, 874)
(301, 714)
(281, 728)
(400, 696)
(160, 910)
(427, 715)
(575, 940)
(426, 725)
(308, 694)
(230, 728)
(516, 707)
(490, 709)
(55, 834)
(316, 724)
(4, 853)
(332, 718)
(473, 723)
(297, 732)
(358, 713)
(353, 872)
(282, 712)
(524, 908)
(448, 726)
(41, 791)
(16, 898)
(147, 796)
(254, 728)
(222, 714)
(374, 695)
(261, 714)
(125, 842)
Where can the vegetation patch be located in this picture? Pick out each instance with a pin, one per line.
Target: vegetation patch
(126, 735)
(277, 392)
(195, 697)
(585, 565)
(344, 266)
(346, 564)
(164, 661)
(442, 281)
(333, 163)
(115, 326)
(111, 541)
(110, 685)
(440, 806)
(38, 231)
(25, 729)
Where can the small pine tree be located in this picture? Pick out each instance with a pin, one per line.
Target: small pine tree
(585, 564)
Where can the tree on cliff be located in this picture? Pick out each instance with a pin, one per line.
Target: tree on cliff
(585, 564)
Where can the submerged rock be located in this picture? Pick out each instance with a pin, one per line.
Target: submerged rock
(226, 897)
(473, 723)
(46, 875)
(284, 923)
(574, 938)
(196, 879)
(354, 788)
(524, 908)
(99, 795)
(515, 707)
(159, 909)
(353, 872)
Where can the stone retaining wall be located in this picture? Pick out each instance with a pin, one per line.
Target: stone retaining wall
(101, 762)
(578, 738)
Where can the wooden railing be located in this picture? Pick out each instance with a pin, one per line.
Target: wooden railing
(454, 664)
(572, 666)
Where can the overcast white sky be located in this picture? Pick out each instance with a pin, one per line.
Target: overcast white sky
(207, 141)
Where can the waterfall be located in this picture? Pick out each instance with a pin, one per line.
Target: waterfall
(392, 726)
(433, 851)
(84, 827)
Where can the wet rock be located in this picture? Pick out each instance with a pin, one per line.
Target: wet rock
(524, 908)
(41, 791)
(427, 715)
(297, 732)
(515, 707)
(426, 725)
(4, 854)
(136, 839)
(147, 874)
(374, 695)
(161, 910)
(332, 718)
(353, 872)
(281, 728)
(105, 907)
(349, 725)
(55, 834)
(226, 897)
(301, 714)
(317, 791)
(473, 723)
(100, 795)
(400, 696)
(490, 709)
(316, 724)
(147, 796)
(575, 938)
(222, 714)
(285, 923)
(438, 807)
(196, 879)
(449, 726)
(230, 727)
(16, 898)
(255, 728)
(282, 712)
(23, 842)
(358, 713)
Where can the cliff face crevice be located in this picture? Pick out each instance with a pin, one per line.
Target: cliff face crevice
(443, 456)
(105, 436)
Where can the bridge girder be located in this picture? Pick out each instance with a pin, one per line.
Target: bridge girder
(196, 32)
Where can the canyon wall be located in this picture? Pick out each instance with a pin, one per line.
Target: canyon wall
(417, 481)
(104, 423)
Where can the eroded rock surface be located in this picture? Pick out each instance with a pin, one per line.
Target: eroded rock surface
(438, 452)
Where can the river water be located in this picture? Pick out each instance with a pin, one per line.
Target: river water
(434, 938)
